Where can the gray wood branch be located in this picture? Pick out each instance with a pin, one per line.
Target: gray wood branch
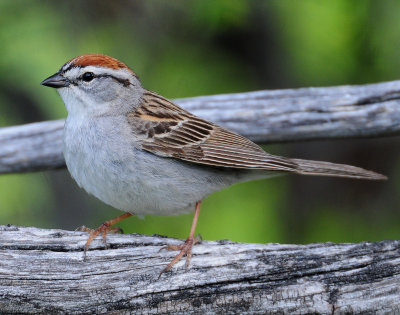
(263, 116)
(42, 271)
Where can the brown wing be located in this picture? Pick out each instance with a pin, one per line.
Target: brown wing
(165, 129)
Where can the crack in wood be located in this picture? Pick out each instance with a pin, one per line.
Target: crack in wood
(388, 96)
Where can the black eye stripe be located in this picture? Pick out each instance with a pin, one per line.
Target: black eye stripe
(125, 82)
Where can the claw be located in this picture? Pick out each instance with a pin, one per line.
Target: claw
(185, 249)
(104, 229)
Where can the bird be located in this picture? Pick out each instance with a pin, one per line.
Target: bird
(141, 153)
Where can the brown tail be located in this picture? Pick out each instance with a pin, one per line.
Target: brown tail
(317, 168)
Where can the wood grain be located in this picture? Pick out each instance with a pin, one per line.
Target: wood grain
(42, 271)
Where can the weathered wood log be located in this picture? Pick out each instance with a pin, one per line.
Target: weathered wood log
(263, 116)
(42, 271)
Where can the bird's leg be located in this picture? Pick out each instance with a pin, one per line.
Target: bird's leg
(185, 248)
(104, 229)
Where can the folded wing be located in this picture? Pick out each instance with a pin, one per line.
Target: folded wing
(165, 129)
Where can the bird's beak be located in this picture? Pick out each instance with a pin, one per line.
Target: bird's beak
(55, 81)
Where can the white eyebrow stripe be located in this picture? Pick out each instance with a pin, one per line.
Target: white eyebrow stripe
(120, 74)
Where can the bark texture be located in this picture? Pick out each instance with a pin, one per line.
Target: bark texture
(42, 271)
(263, 116)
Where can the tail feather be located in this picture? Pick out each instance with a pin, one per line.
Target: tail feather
(318, 168)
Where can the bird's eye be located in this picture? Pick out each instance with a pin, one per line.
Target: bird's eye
(87, 76)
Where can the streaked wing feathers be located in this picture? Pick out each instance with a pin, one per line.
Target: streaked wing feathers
(166, 129)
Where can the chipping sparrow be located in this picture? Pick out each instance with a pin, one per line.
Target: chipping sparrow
(141, 153)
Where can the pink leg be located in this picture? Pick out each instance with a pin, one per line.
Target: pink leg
(103, 229)
(185, 248)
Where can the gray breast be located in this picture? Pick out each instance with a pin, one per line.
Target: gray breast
(106, 162)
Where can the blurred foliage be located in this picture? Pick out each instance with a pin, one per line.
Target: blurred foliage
(191, 48)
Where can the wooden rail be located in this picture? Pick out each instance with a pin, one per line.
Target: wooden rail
(43, 271)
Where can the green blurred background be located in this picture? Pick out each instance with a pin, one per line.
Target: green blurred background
(192, 48)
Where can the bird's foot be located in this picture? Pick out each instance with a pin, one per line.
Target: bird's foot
(103, 229)
(185, 250)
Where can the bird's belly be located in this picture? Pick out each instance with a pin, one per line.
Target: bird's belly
(137, 181)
